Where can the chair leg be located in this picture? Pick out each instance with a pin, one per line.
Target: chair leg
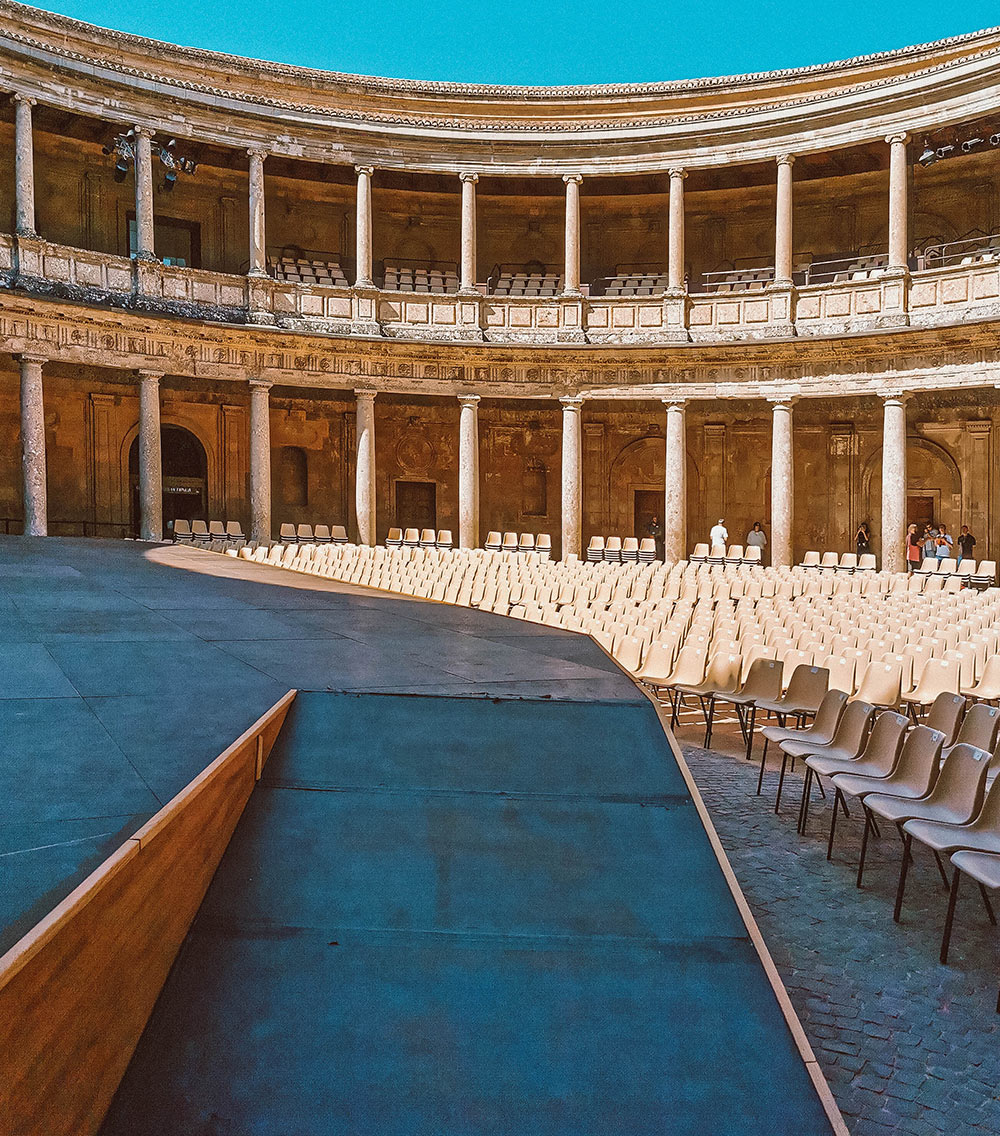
(753, 719)
(987, 904)
(903, 869)
(950, 917)
(864, 847)
(709, 719)
(804, 806)
(781, 782)
(837, 799)
(940, 867)
(760, 776)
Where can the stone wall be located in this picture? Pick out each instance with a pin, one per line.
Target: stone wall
(91, 420)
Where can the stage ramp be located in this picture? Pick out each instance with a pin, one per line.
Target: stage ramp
(442, 916)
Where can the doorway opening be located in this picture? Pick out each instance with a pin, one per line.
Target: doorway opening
(648, 504)
(185, 486)
(920, 510)
(416, 504)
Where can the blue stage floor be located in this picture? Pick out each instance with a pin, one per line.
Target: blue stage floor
(463, 916)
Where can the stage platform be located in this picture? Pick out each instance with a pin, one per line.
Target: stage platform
(472, 895)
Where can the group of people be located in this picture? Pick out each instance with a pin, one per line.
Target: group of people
(936, 543)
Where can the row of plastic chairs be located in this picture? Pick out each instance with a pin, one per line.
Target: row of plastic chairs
(735, 554)
(312, 534)
(525, 542)
(419, 538)
(839, 562)
(619, 550)
(205, 533)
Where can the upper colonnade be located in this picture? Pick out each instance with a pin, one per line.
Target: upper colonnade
(462, 214)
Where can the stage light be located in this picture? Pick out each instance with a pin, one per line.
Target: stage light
(928, 157)
(970, 144)
(995, 139)
(945, 151)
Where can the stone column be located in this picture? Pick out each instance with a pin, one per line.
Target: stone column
(364, 473)
(783, 222)
(782, 483)
(571, 272)
(33, 479)
(675, 483)
(898, 206)
(260, 461)
(143, 194)
(468, 281)
(894, 482)
(468, 472)
(363, 228)
(24, 167)
(572, 477)
(258, 229)
(150, 467)
(675, 232)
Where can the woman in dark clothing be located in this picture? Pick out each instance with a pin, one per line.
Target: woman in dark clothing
(863, 539)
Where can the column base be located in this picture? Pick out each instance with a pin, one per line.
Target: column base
(261, 319)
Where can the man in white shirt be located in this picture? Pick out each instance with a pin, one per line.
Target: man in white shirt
(719, 534)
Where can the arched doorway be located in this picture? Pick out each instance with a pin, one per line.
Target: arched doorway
(933, 486)
(185, 466)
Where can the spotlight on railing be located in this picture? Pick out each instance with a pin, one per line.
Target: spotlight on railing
(995, 139)
(970, 144)
(929, 156)
(123, 149)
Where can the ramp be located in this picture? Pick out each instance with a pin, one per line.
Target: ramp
(444, 915)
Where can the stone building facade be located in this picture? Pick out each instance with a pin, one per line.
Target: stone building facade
(759, 286)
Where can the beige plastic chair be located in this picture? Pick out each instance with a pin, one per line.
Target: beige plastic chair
(821, 732)
(722, 676)
(946, 715)
(954, 796)
(880, 685)
(763, 681)
(981, 834)
(980, 727)
(939, 676)
(914, 773)
(841, 671)
(987, 689)
(984, 868)
(877, 759)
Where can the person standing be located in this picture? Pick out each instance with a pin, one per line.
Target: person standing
(966, 543)
(863, 539)
(943, 543)
(757, 538)
(930, 542)
(914, 548)
(655, 530)
(719, 536)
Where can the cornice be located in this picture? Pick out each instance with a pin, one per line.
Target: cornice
(150, 47)
(831, 115)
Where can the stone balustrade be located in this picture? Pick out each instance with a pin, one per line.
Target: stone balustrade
(927, 298)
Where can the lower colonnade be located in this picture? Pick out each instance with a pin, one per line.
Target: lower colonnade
(606, 452)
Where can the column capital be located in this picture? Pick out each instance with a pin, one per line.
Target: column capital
(777, 400)
(147, 376)
(365, 393)
(677, 172)
(256, 152)
(575, 178)
(465, 175)
(899, 396)
(899, 136)
(469, 400)
(675, 403)
(17, 97)
(784, 159)
(31, 357)
(141, 131)
(260, 384)
(572, 401)
(368, 171)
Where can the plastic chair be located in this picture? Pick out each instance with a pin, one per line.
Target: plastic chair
(199, 532)
(722, 676)
(913, 773)
(763, 682)
(821, 732)
(182, 532)
(321, 534)
(981, 834)
(595, 549)
(304, 534)
(938, 676)
(394, 539)
(988, 687)
(493, 542)
(984, 868)
(880, 685)
(876, 759)
(954, 796)
(444, 539)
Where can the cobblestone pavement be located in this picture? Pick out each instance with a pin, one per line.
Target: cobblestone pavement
(908, 1046)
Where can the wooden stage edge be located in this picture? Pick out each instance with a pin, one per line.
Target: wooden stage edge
(77, 990)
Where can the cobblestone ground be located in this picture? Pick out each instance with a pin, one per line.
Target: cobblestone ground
(908, 1045)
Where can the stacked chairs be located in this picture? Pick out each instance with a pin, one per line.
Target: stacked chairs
(216, 536)
(300, 267)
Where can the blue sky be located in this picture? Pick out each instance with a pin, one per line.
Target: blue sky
(541, 41)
